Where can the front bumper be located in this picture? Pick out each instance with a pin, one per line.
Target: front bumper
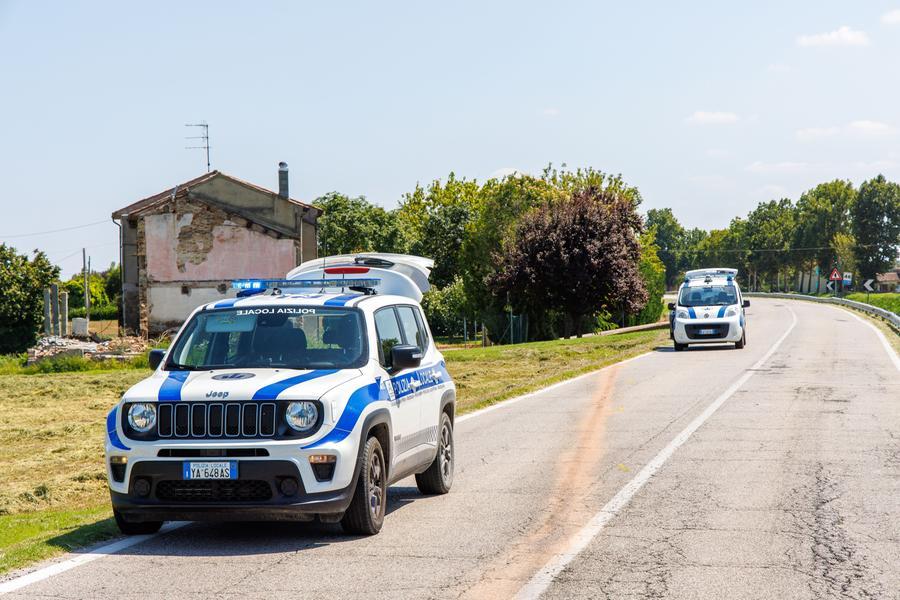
(259, 493)
(696, 331)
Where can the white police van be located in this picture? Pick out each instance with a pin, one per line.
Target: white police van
(709, 309)
(302, 398)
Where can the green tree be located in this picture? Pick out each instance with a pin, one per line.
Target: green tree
(770, 233)
(690, 256)
(669, 239)
(351, 225)
(822, 212)
(876, 226)
(22, 284)
(653, 273)
(445, 307)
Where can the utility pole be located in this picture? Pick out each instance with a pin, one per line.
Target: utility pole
(205, 143)
(87, 287)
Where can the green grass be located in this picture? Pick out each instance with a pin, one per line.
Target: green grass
(889, 302)
(54, 496)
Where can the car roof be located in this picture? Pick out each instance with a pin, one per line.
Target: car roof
(711, 281)
(330, 300)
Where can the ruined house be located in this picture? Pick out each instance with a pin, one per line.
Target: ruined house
(182, 247)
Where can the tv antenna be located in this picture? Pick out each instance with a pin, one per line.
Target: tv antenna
(204, 136)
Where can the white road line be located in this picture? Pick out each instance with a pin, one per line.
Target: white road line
(103, 551)
(514, 400)
(63, 566)
(539, 583)
(892, 354)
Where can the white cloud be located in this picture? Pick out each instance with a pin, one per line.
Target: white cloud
(550, 112)
(777, 167)
(870, 128)
(703, 117)
(811, 134)
(842, 36)
(891, 17)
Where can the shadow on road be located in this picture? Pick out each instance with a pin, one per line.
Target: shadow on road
(229, 538)
(697, 348)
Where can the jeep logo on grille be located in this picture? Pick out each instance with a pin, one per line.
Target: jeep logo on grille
(233, 376)
(221, 395)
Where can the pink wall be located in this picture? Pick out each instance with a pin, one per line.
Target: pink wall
(236, 252)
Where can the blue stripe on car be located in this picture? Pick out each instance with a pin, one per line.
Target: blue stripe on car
(112, 431)
(692, 313)
(170, 390)
(427, 377)
(721, 312)
(341, 300)
(226, 303)
(271, 391)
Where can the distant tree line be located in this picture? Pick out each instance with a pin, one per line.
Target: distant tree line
(780, 244)
(566, 251)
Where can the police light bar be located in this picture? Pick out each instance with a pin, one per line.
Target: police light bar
(264, 284)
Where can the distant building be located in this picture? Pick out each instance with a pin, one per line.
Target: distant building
(182, 247)
(889, 282)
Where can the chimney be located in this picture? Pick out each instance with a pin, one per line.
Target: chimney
(283, 180)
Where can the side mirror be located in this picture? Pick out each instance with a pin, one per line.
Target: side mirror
(746, 304)
(671, 306)
(405, 356)
(155, 358)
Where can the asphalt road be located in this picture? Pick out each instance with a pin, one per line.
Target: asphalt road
(712, 473)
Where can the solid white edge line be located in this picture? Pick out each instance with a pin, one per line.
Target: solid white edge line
(510, 401)
(103, 551)
(892, 354)
(63, 566)
(539, 583)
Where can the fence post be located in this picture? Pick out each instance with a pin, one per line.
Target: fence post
(48, 326)
(64, 313)
(465, 333)
(54, 308)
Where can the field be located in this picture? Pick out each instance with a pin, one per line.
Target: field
(54, 494)
(889, 302)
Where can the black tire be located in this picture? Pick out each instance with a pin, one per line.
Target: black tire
(740, 345)
(438, 478)
(679, 347)
(140, 528)
(365, 515)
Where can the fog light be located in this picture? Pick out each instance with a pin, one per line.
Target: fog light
(117, 466)
(288, 486)
(323, 466)
(142, 487)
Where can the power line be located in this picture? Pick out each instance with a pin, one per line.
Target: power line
(21, 235)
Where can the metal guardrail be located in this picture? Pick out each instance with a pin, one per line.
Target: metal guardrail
(893, 319)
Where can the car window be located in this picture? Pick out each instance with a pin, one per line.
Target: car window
(413, 333)
(388, 331)
(710, 295)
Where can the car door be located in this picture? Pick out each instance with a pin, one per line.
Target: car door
(405, 411)
(426, 394)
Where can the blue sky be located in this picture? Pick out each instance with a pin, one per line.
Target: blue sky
(707, 107)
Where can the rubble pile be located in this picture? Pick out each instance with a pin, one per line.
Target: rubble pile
(116, 349)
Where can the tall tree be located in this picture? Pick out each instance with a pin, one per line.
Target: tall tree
(22, 281)
(578, 258)
(669, 240)
(770, 233)
(822, 213)
(876, 226)
(355, 225)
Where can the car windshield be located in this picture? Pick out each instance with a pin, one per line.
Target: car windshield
(709, 295)
(284, 336)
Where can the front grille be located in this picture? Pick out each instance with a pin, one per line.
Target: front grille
(216, 419)
(719, 330)
(237, 490)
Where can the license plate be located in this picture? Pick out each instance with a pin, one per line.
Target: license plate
(707, 331)
(225, 469)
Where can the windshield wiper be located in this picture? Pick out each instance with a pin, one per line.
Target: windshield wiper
(177, 367)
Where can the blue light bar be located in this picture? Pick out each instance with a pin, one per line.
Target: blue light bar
(264, 284)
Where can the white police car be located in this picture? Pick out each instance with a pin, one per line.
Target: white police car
(305, 398)
(709, 309)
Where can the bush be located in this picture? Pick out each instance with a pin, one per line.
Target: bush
(105, 312)
(889, 302)
(444, 308)
(653, 272)
(22, 302)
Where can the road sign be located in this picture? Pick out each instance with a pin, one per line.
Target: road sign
(830, 286)
(868, 285)
(835, 275)
(848, 278)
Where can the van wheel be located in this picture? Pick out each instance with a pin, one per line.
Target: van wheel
(365, 515)
(438, 478)
(679, 347)
(139, 528)
(740, 345)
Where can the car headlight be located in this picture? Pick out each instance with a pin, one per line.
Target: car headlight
(301, 416)
(732, 311)
(681, 314)
(142, 416)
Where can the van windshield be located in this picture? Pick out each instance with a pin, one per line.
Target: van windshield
(710, 295)
(283, 336)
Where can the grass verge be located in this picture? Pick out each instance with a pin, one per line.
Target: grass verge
(54, 496)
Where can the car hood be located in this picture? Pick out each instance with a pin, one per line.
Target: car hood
(238, 384)
(707, 312)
